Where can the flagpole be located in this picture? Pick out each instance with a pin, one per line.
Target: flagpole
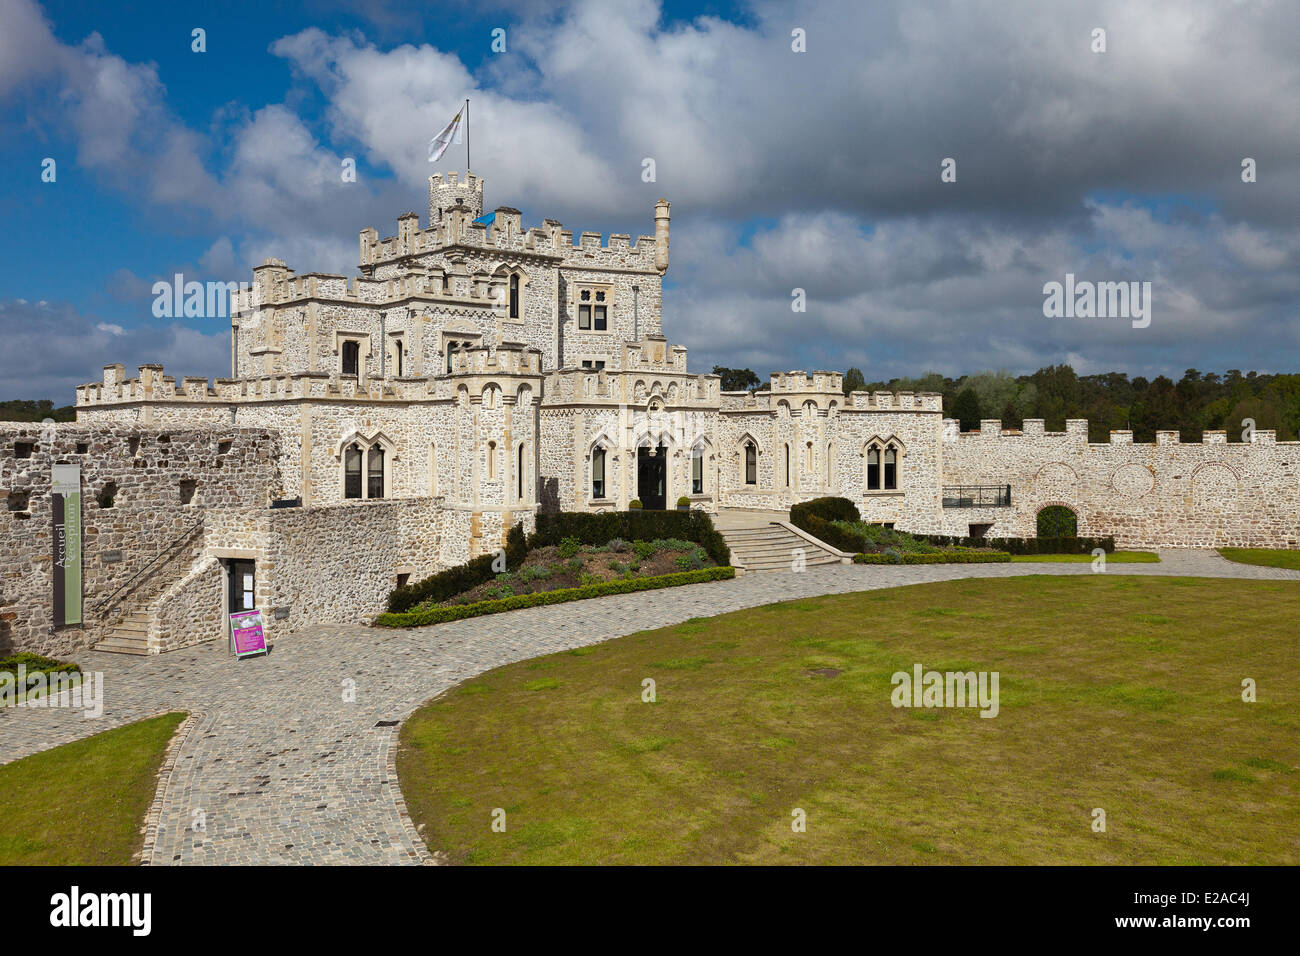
(467, 136)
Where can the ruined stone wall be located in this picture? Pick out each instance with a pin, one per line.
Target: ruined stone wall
(132, 508)
(1166, 494)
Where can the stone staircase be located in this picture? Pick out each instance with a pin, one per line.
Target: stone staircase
(128, 636)
(771, 547)
(125, 614)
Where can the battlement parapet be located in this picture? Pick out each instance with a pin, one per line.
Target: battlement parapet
(1076, 433)
(654, 353)
(434, 284)
(154, 387)
(452, 224)
(509, 358)
(674, 386)
(746, 401)
(894, 401)
(798, 382)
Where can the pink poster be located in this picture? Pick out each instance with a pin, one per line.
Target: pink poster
(246, 632)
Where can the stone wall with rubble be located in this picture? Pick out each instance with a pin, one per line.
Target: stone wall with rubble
(1166, 494)
(133, 508)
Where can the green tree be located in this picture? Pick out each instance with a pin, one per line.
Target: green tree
(737, 379)
(966, 409)
(854, 381)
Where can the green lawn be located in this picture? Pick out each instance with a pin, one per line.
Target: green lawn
(83, 803)
(1117, 557)
(1269, 557)
(1116, 692)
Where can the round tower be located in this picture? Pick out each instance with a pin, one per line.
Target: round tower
(443, 194)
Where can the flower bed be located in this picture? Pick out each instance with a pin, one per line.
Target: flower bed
(571, 564)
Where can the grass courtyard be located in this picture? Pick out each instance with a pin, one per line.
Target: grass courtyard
(1268, 557)
(83, 803)
(1119, 693)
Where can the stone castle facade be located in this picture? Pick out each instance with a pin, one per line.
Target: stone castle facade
(476, 372)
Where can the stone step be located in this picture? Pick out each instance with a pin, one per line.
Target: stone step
(779, 547)
(810, 560)
(772, 548)
(119, 645)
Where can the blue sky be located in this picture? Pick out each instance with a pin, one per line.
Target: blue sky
(816, 170)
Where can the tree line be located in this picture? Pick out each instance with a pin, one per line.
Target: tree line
(1198, 402)
(27, 410)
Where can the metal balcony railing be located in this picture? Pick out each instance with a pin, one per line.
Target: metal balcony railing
(977, 496)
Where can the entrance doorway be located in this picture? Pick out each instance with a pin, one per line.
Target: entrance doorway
(651, 477)
(241, 586)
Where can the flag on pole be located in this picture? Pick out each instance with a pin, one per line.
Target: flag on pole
(450, 133)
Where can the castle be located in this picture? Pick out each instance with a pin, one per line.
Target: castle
(377, 430)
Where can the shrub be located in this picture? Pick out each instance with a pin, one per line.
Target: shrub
(437, 615)
(816, 518)
(643, 549)
(1028, 545)
(463, 577)
(617, 545)
(1057, 521)
(683, 502)
(569, 547)
(632, 525)
(939, 557)
(634, 503)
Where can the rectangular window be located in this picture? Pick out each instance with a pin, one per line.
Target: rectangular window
(598, 473)
(891, 469)
(873, 470)
(751, 464)
(697, 474)
(351, 358)
(584, 317)
(594, 364)
(600, 323)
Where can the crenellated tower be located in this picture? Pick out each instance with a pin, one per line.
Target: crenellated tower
(444, 194)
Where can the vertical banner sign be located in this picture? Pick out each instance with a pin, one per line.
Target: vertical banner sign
(246, 633)
(65, 495)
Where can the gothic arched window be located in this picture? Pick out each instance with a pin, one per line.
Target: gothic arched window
(352, 472)
(375, 472)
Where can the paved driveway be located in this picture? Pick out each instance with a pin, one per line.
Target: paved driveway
(285, 760)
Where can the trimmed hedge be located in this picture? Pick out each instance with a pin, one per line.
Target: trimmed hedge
(1026, 545)
(439, 615)
(632, 525)
(816, 516)
(946, 557)
(463, 577)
